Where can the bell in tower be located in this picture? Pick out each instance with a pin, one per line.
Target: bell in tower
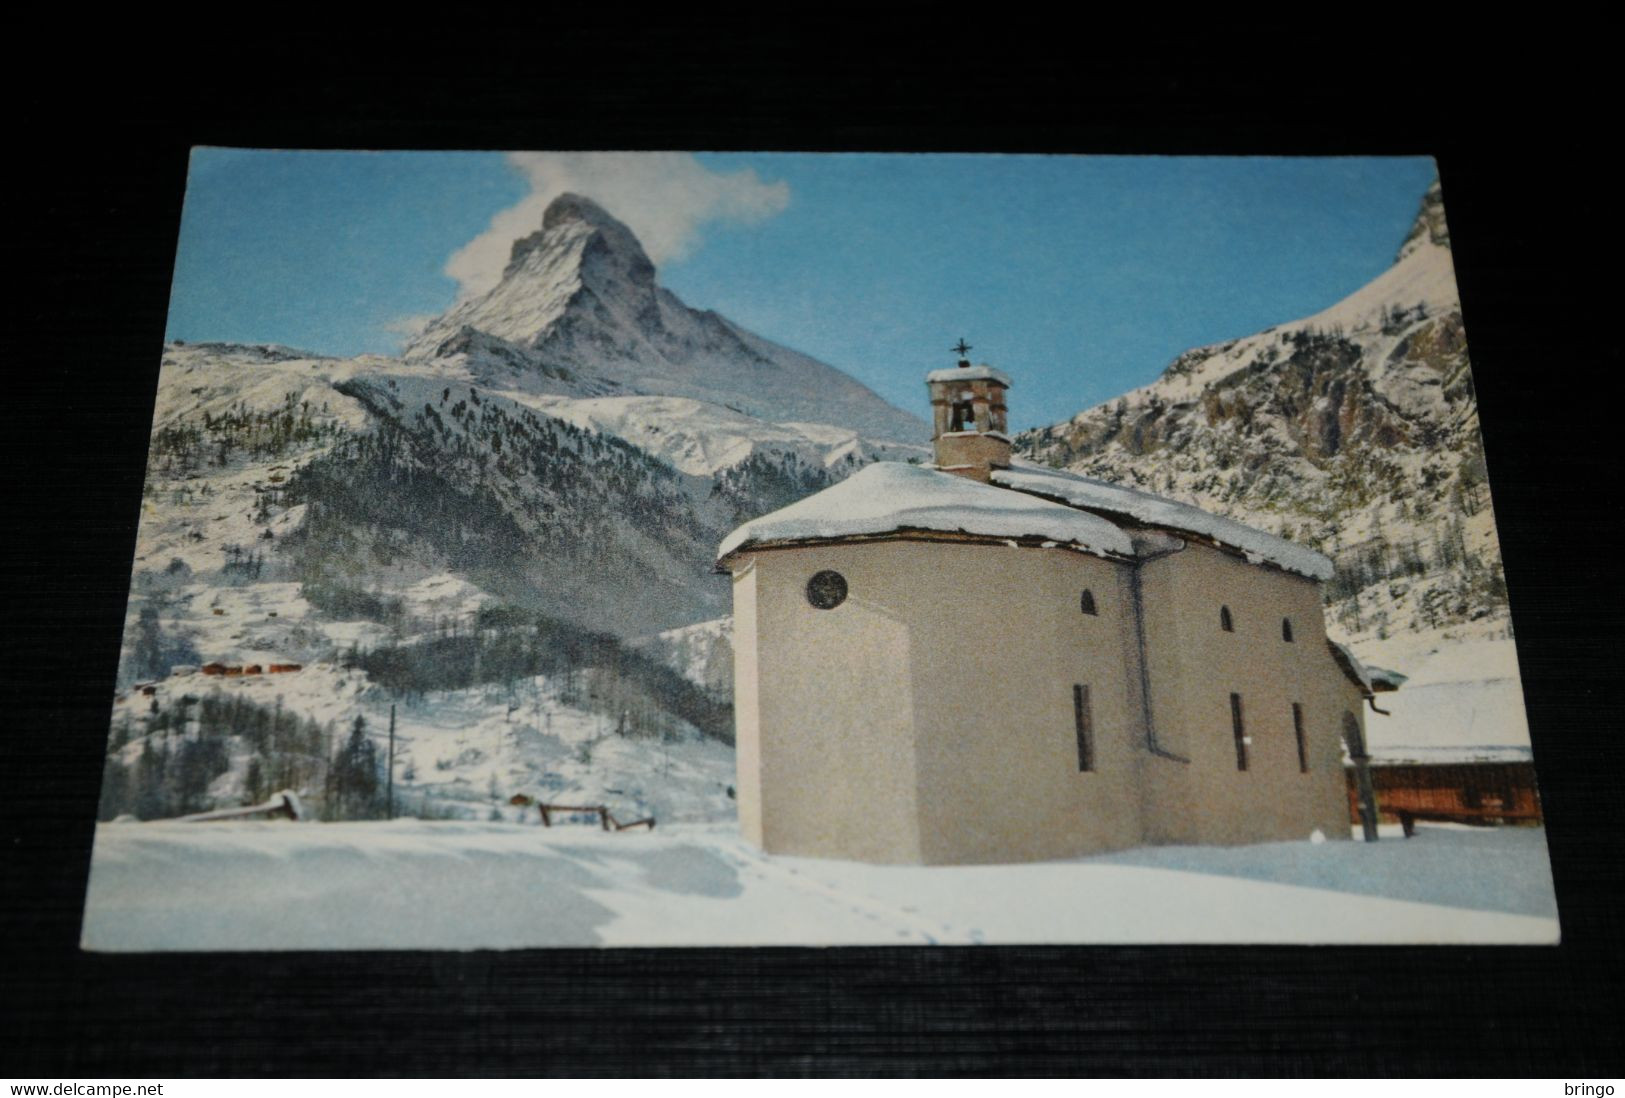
(968, 418)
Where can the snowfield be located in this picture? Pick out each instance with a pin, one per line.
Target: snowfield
(410, 884)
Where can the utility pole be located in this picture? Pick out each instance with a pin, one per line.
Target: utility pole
(392, 760)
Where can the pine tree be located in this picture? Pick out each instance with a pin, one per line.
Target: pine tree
(254, 781)
(197, 764)
(148, 651)
(115, 789)
(355, 777)
(151, 802)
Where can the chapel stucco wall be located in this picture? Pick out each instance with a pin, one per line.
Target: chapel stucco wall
(1000, 643)
(747, 713)
(834, 742)
(930, 719)
(1195, 666)
(949, 669)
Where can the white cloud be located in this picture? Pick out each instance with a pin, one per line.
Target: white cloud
(404, 328)
(664, 198)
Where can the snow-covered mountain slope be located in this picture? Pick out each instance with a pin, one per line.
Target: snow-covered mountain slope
(549, 476)
(1379, 315)
(540, 512)
(702, 653)
(460, 754)
(603, 510)
(578, 313)
(1353, 431)
(703, 438)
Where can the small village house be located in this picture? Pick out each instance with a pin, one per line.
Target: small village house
(1453, 745)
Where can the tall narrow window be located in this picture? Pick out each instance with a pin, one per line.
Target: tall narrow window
(1286, 630)
(1239, 731)
(1303, 745)
(1225, 621)
(1085, 723)
(1087, 603)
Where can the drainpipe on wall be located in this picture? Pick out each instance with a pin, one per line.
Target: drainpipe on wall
(1151, 744)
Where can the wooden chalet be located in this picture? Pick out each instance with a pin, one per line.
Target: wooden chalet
(1453, 745)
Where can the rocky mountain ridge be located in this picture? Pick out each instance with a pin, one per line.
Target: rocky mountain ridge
(1353, 431)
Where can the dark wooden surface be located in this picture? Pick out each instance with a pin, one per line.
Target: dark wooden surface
(96, 179)
(1485, 791)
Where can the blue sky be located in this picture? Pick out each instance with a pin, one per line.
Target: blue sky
(1082, 277)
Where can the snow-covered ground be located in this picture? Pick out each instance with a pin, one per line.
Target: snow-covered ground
(470, 750)
(414, 884)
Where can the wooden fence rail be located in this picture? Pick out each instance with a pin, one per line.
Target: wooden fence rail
(606, 819)
(285, 803)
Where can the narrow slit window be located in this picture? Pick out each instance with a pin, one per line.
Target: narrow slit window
(1225, 621)
(1084, 721)
(1303, 745)
(1087, 603)
(1239, 731)
(1286, 630)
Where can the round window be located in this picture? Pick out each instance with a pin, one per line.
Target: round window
(826, 590)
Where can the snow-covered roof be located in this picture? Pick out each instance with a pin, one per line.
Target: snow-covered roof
(1145, 508)
(1382, 679)
(1463, 703)
(980, 372)
(887, 497)
(1351, 665)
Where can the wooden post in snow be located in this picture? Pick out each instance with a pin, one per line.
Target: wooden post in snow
(392, 760)
(1354, 738)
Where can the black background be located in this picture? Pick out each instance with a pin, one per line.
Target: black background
(106, 115)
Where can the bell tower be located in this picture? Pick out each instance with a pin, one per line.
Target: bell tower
(968, 418)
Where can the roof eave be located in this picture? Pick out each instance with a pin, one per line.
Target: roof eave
(1129, 519)
(907, 533)
(1342, 659)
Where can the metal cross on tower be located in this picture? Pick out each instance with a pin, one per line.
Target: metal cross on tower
(961, 348)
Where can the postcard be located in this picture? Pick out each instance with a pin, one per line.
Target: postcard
(668, 549)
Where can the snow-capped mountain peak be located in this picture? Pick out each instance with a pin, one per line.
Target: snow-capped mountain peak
(579, 249)
(572, 217)
(579, 313)
(1429, 228)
